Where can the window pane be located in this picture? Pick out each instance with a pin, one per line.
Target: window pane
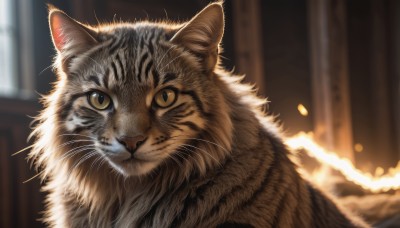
(8, 83)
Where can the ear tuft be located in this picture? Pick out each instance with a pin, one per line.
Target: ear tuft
(202, 34)
(69, 36)
(51, 7)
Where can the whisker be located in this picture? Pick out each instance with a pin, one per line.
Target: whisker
(38, 174)
(78, 147)
(179, 153)
(177, 161)
(75, 152)
(203, 140)
(20, 151)
(97, 64)
(162, 58)
(72, 142)
(91, 166)
(185, 145)
(84, 158)
(171, 61)
(41, 72)
(95, 161)
(158, 149)
(101, 163)
(78, 135)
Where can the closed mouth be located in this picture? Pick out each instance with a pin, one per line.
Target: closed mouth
(132, 158)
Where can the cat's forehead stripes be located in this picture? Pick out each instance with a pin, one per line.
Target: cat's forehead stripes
(105, 78)
(120, 65)
(132, 55)
(139, 68)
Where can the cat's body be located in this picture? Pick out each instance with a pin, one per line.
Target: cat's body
(143, 130)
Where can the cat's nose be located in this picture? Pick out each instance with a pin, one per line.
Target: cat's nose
(131, 143)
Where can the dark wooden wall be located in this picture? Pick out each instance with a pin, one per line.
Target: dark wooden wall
(19, 202)
(286, 62)
(373, 34)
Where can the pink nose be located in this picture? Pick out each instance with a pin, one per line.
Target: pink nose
(131, 143)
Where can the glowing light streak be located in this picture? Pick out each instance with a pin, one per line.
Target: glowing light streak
(374, 183)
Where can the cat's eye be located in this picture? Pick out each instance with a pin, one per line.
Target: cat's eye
(99, 100)
(165, 98)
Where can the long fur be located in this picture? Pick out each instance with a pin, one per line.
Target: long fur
(228, 166)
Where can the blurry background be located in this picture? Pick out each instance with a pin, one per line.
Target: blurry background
(339, 59)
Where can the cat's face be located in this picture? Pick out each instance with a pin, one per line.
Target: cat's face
(135, 95)
(135, 123)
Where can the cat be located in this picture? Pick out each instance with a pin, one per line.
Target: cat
(144, 128)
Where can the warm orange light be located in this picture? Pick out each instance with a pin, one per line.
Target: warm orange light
(302, 110)
(374, 183)
(379, 171)
(358, 147)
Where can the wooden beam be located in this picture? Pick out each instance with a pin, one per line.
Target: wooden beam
(248, 40)
(395, 12)
(382, 109)
(329, 67)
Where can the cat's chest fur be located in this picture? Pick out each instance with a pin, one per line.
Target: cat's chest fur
(203, 201)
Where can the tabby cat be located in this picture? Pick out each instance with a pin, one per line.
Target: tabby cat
(145, 129)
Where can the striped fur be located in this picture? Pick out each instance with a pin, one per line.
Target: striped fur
(211, 159)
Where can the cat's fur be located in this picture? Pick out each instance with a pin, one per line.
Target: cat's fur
(211, 159)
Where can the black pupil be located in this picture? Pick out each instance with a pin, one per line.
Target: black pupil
(100, 99)
(165, 96)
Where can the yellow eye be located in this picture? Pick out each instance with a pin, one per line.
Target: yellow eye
(165, 98)
(99, 100)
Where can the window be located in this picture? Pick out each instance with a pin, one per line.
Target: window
(8, 82)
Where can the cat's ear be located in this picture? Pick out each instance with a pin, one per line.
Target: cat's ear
(202, 35)
(69, 36)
